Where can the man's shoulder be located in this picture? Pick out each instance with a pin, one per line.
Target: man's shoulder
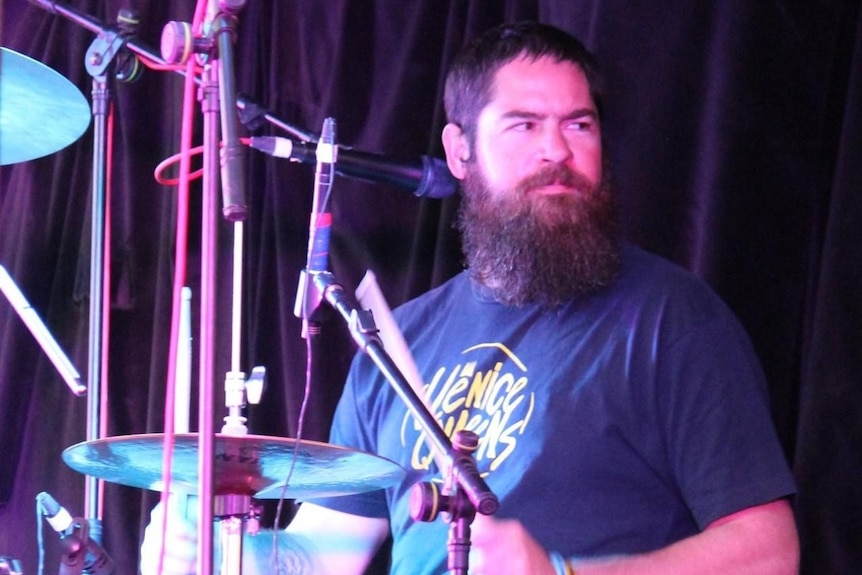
(637, 260)
(649, 271)
(668, 288)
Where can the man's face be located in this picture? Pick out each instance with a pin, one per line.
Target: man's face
(541, 114)
(537, 218)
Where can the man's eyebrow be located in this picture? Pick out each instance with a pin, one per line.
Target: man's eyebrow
(528, 115)
(583, 113)
(522, 115)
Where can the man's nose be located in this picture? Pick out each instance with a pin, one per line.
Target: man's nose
(554, 146)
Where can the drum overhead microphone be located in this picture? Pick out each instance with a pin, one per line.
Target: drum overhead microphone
(232, 153)
(425, 177)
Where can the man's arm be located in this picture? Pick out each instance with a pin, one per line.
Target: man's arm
(320, 541)
(759, 540)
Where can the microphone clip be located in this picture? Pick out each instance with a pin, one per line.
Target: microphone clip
(80, 554)
(309, 304)
(73, 543)
(110, 47)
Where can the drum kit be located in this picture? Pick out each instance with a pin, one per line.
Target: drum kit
(39, 102)
(52, 112)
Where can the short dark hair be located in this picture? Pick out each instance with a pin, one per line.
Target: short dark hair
(471, 77)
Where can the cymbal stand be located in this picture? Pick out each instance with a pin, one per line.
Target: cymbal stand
(209, 247)
(100, 55)
(109, 48)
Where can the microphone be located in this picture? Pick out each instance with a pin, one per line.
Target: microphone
(232, 152)
(74, 534)
(425, 177)
(326, 156)
(308, 297)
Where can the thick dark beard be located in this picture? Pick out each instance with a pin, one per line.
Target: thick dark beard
(544, 249)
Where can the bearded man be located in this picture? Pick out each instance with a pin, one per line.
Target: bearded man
(622, 415)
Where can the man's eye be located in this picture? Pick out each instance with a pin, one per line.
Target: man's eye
(524, 126)
(581, 125)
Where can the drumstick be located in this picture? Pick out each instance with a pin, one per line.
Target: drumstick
(182, 387)
(41, 333)
(182, 393)
(369, 295)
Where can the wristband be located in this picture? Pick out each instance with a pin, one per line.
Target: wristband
(561, 566)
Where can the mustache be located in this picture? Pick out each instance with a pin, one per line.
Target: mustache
(556, 174)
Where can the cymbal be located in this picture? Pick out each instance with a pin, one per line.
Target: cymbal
(41, 112)
(252, 465)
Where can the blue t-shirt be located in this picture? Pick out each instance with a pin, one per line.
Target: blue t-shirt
(619, 423)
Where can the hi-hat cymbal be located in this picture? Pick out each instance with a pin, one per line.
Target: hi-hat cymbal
(253, 465)
(41, 112)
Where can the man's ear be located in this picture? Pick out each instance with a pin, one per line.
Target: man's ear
(457, 149)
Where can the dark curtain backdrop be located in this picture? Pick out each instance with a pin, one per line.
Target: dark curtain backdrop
(733, 128)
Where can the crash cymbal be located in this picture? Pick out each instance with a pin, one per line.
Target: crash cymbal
(41, 112)
(252, 465)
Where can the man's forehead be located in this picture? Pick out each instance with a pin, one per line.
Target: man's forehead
(526, 65)
(527, 77)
